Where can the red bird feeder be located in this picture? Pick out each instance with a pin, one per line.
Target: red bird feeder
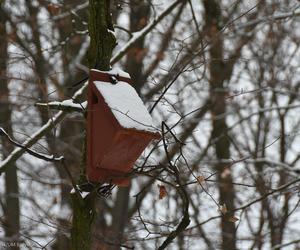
(119, 127)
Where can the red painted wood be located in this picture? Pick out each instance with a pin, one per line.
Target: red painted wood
(111, 149)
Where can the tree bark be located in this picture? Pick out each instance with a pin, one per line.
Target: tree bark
(218, 74)
(101, 46)
(103, 40)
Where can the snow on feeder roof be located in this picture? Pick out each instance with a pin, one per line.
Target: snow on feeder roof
(126, 105)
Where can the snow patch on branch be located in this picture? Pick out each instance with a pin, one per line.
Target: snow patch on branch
(115, 71)
(66, 105)
(69, 103)
(83, 194)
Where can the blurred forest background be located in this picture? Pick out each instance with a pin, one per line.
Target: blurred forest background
(223, 76)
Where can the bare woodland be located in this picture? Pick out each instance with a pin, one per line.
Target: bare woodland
(221, 80)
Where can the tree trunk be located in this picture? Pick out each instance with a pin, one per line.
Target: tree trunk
(100, 51)
(120, 216)
(218, 74)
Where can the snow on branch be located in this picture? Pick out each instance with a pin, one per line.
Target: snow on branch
(272, 192)
(72, 11)
(271, 18)
(264, 110)
(30, 151)
(66, 105)
(52, 122)
(142, 33)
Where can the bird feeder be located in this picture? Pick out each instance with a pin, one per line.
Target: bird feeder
(119, 127)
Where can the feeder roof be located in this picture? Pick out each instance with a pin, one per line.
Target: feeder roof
(126, 105)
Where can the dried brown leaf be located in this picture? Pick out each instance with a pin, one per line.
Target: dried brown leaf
(53, 9)
(233, 219)
(162, 191)
(201, 179)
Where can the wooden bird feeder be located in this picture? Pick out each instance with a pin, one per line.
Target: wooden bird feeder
(119, 127)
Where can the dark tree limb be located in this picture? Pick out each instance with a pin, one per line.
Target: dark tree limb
(185, 221)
